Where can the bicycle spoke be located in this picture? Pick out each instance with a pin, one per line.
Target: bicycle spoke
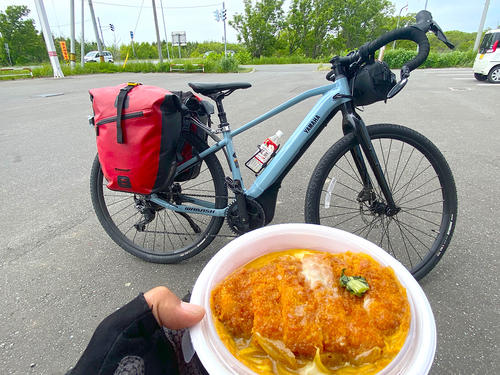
(124, 208)
(389, 244)
(173, 226)
(156, 228)
(411, 178)
(340, 214)
(404, 238)
(116, 202)
(403, 208)
(345, 221)
(423, 195)
(397, 166)
(131, 216)
(406, 226)
(404, 168)
(198, 184)
(182, 225)
(368, 226)
(419, 187)
(386, 161)
(165, 230)
(348, 187)
(421, 218)
(354, 178)
(344, 207)
(354, 170)
(340, 196)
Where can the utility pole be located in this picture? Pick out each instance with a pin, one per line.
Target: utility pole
(72, 55)
(224, 20)
(165, 29)
(99, 45)
(100, 29)
(481, 25)
(49, 42)
(157, 32)
(82, 44)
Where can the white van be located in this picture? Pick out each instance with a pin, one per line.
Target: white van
(487, 63)
(93, 56)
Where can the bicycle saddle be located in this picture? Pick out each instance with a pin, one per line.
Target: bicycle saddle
(212, 88)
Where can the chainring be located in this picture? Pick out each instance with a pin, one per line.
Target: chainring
(257, 216)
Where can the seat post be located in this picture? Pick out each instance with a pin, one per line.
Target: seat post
(224, 125)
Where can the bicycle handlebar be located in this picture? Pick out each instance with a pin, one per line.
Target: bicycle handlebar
(406, 33)
(415, 33)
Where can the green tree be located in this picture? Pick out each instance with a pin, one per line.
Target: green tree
(362, 20)
(259, 26)
(26, 45)
(307, 25)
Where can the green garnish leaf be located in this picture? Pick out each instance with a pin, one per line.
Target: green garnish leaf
(357, 285)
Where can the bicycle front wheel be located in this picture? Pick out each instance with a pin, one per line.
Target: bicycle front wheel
(422, 186)
(152, 232)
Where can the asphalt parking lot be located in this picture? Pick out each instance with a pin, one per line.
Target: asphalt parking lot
(60, 274)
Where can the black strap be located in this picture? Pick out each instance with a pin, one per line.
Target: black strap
(119, 108)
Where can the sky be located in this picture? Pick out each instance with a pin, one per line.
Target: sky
(196, 17)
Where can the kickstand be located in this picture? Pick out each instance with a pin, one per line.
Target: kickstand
(194, 226)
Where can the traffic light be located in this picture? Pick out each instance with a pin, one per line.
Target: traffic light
(112, 27)
(217, 15)
(223, 15)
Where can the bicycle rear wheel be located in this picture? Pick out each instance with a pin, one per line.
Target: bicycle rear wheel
(152, 232)
(422, 186)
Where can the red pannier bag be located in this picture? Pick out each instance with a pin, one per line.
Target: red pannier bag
(137, 130)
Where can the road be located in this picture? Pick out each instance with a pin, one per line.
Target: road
(60, 274)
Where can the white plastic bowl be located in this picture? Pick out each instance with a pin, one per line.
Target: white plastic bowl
(415, 357)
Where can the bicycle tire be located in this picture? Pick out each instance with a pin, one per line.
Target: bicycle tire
(178, 244)
(422, 185)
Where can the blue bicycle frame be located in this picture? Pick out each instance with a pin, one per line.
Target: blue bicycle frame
(333, 95)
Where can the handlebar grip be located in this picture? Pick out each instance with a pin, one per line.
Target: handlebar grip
(406, 33)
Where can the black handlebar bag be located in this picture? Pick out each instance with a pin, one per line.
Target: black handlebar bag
(137, 131)
(372, 83)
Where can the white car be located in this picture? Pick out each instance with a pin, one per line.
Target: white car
(93, 56)
(487, 63)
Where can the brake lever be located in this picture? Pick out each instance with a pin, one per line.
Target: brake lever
(405, 74)
(440, 35)
(330, 74)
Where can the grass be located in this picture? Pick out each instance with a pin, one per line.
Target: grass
(219, 64)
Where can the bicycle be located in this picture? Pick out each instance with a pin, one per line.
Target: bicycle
(384, 182)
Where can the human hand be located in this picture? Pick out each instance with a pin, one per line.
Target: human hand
(170, 311)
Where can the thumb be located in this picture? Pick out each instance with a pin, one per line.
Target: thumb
(170, 311)
(184, 315)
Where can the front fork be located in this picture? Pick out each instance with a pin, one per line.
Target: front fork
(353, 123)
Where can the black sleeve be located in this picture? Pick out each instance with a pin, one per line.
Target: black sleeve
(128, 341)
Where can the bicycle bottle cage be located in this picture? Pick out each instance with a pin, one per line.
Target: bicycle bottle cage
(372, 83)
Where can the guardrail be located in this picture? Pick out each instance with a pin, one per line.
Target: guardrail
(182, 67)
(27, 71)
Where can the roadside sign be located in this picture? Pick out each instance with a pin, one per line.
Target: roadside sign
(64, 50)
(179, 38)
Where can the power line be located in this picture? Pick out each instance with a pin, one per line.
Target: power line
(136, 6)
